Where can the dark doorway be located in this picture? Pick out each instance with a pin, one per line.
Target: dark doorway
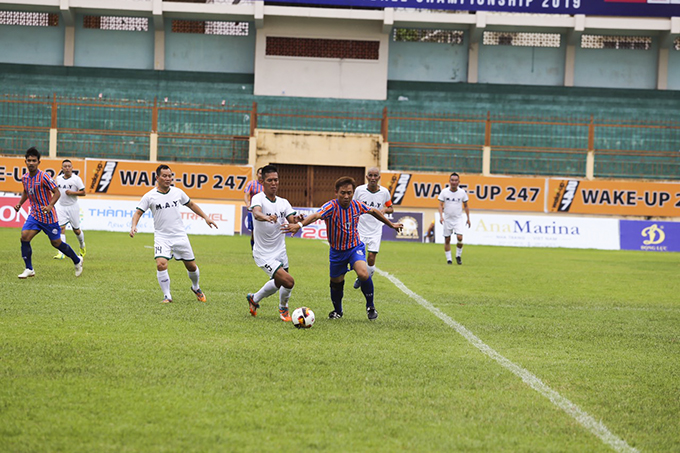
(308, 186)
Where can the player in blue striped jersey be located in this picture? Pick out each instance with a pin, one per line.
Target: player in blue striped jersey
(43, 194)
(346, 249)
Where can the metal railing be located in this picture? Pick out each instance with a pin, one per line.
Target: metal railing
(418, 141)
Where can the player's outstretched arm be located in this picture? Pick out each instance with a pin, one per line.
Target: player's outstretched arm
(135, 219)
(197, 209)
(377, 213)
(262, 217)
(295, 227)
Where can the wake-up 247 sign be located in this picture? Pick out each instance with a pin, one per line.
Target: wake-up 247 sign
(646, 8)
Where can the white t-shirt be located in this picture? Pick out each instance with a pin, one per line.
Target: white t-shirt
(166, 210)
(369, 225)
(73, 183)
(269, 240)
(453, 202)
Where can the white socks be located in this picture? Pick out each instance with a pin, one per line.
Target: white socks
(81, 239)
(164, 281)
(267, 290)
(194, 276)
(371, 271)
(284, 295)
(448, 255)
(459, 251)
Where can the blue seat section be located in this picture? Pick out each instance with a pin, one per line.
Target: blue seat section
(206, 117)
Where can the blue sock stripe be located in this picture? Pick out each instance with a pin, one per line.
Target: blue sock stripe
(26, 254)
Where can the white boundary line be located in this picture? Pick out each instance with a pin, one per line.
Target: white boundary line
(532, 381)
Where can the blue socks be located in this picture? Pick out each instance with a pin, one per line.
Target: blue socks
(68, 251)
(367, 289)
(26, 254)
(337, 292)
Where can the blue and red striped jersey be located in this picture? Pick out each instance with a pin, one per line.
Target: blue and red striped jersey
(39, 189)
(253, 187)
(341, 223)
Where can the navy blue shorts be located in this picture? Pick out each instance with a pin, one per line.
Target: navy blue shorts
(341, 261)
(249, 221)
(52, 230)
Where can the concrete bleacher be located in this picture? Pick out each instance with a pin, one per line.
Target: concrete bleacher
(463, 141)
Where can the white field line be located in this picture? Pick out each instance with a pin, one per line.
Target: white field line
(532, 381)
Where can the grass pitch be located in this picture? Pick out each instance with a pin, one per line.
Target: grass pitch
(97, 364)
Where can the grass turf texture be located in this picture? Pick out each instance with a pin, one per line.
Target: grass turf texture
(97, 364)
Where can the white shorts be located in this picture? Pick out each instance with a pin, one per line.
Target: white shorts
(69, 214)
(372, 242)
(178, 248)
(271, 263)
(455, 225)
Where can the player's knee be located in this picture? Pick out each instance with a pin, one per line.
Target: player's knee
(337, 286)
(55, 243)
(76, 231)
(163, 266)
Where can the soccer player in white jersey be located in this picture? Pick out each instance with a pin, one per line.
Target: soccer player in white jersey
(68, 211)
(370, 228)
(269, 250)
(170, 237)
(452, 201)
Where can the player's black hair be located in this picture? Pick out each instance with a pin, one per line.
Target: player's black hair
(454, 174)
(268, 169)
(160, 168)
(66, 160)
(343, 181)
(32, 151)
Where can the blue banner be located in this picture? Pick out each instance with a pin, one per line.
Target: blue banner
(642, 8)
(650, 236)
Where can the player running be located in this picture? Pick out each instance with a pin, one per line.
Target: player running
(68, 211)
(269, 250)
(346, 249)
(43, 194)
(370, 229)
(452, 201)
(170, 237)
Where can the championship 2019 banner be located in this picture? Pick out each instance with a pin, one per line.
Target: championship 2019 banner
(644, 8)
(614, 197)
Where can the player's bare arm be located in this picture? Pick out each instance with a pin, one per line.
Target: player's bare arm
(295, 227)
(55, 197)
(377, 213)
(467, 212)
(441, 212)
(77, 193)
(197, 210)
(262, 217)
(135, 219)
(24, 197)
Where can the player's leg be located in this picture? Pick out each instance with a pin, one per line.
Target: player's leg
(269, 266)
(59, 255)
(459, 248)
(447, 249)
(358, 263)
(26, 251)
(338, 261)
(163, 253)
(372, 243)
(74, 220)
(285, 282)
(54, 233)
(182, 251)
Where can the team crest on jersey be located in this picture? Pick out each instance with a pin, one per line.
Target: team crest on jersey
(360, 252)
(54, 231)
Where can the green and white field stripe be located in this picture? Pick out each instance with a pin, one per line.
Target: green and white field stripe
(586, 420)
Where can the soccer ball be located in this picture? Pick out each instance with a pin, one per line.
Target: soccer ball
(303, 318)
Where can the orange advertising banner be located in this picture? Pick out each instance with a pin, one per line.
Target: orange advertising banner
(614, 197)
(118, 177)
(420, 190)
(13, 168)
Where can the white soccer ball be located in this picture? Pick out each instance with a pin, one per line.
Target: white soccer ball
(303, 318)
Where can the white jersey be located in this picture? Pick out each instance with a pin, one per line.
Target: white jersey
(453, 202)
(369, 225)
(166, 210)
(269, 240)
(73, 183)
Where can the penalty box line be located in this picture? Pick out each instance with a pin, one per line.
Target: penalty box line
(586, 420)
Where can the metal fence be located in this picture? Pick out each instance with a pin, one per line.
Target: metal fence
(418, 141)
